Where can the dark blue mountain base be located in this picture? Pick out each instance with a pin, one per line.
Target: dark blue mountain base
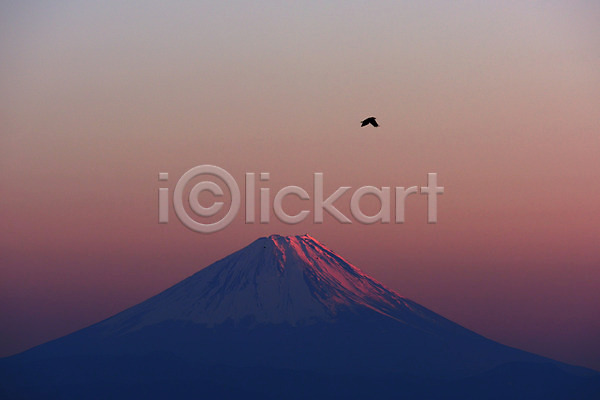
(166, 377)
(366, 342)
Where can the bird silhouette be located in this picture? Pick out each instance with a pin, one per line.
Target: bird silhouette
(370, 120)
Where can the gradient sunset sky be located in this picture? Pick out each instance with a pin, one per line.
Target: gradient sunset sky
(500, 98)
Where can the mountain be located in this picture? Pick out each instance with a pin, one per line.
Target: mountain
(284, 317)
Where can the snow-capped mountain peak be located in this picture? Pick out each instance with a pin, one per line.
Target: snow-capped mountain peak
(288, 311)
(275, 279)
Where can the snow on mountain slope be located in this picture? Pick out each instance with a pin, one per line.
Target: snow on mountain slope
(277, 279)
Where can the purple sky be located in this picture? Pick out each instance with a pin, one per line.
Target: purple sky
(499, 98)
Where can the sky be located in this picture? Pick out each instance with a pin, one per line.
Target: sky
(500, 99)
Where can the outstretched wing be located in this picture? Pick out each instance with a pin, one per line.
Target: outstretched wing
(370, 120)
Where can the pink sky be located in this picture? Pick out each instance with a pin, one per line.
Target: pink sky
(500, 100)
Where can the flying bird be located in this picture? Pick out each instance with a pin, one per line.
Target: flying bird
(370, 120)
